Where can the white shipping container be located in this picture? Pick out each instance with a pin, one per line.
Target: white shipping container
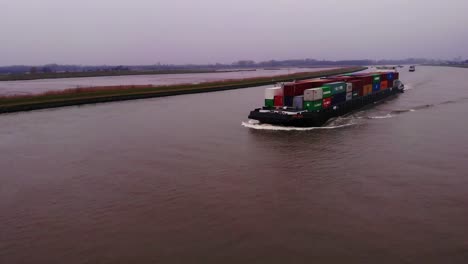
(349, 87)
(271, 92)
(349, 96)
(313, 94)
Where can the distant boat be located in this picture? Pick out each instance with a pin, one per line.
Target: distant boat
(412, 68)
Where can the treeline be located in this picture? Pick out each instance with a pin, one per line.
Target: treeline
(56, 68)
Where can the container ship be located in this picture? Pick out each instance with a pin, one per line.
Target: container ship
(311, 103)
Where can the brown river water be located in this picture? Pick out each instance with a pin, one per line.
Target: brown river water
(187, 179)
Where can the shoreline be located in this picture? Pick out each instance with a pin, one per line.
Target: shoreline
(93, 95)
(66, 75)
(448, 65)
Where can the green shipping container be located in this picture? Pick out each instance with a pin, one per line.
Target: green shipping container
(376, 78)
(326, 92)
(269, 102)
(313, 105)
(336, 88)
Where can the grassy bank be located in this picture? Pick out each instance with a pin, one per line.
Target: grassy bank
(449, 65)
(92, 95)
(60, 75)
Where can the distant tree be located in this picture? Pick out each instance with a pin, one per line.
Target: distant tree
(46, 70)
(33, 70)
(244, 63)
(270, 63)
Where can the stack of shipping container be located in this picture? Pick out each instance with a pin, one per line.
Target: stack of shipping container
(274, 96)
(317, 94)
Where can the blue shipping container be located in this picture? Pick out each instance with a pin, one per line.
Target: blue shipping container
(390, 76)
(338, 98)
(288, 100)
(298, 102)
(376, 87)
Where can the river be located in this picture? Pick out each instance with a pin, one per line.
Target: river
(183, 180)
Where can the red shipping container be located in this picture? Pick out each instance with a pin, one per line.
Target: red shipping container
(383, 85)
(390, 83)
(396, 75)
(366, 79)
(313, 83)
(278, 100)
(383, 76)
(288, 89)
(301, 87)
(341, 78)
(326, 102)
(358, 86)
(360, 74)
(298, 88)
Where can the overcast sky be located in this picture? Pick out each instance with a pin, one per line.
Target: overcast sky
(210, 31)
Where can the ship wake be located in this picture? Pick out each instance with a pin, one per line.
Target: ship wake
(380, 117)
(253, 124)
(350, 119)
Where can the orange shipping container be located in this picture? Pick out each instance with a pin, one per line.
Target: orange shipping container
(383, 85)
(367, 89)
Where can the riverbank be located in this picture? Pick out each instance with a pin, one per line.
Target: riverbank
(91, 95)
(60, 75)
(448, 65)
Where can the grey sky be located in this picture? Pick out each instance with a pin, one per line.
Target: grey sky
(209, 31)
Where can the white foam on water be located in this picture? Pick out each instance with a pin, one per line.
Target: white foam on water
(401, 111)
(408, 87)
(380, 117)
(252, 124)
